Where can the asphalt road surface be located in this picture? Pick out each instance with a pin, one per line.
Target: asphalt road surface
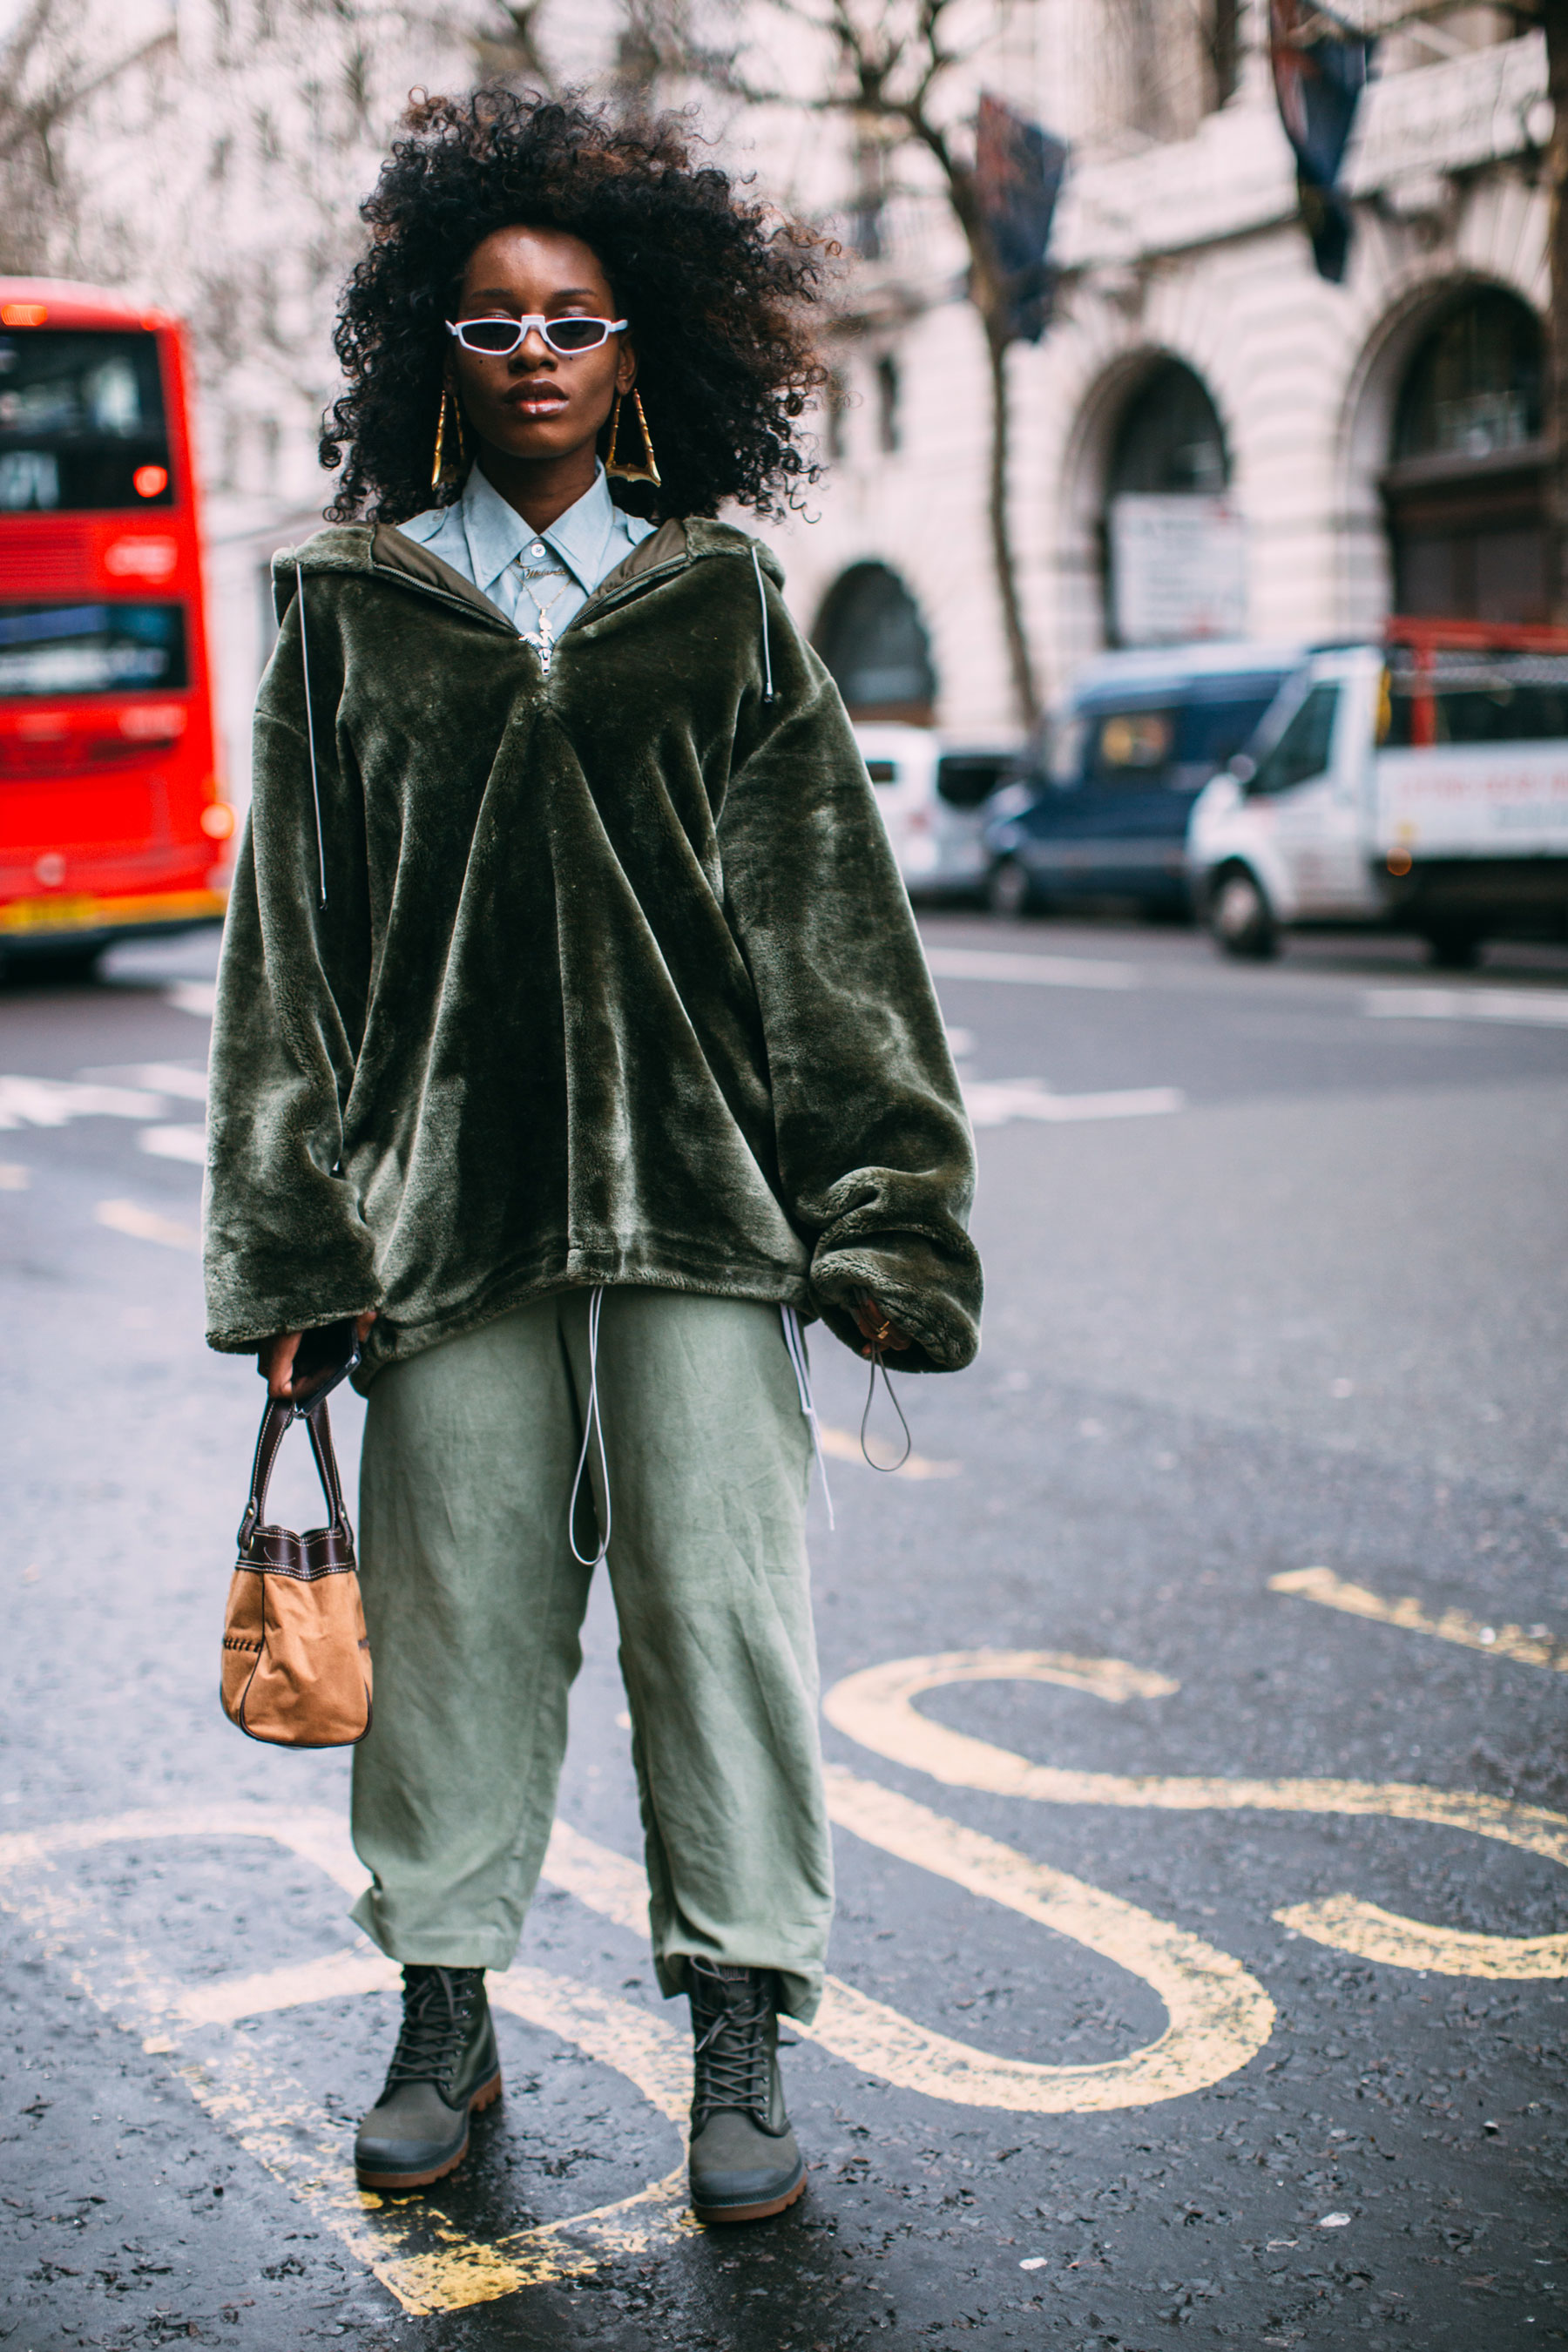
(1194, 1701)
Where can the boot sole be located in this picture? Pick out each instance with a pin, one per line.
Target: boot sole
(485, 2096)
(752, 2212)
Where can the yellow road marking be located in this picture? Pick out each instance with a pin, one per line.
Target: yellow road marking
(339, 1974)
(1534, 1648)
(146, 1224)
(14, 1177)
(283, 2129)
(844, 1446)
(1220, 2017)
(1348, 1925)
(877, 1708)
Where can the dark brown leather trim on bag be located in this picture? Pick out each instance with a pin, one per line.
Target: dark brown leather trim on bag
(296, 1657)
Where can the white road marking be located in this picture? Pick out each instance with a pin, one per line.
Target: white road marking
(1029, 971)
(176, 1143)
(197, 996)
(1545, 1008)
(51, 1102)
(146, 1224)
(186, 1081)
(993, 1102)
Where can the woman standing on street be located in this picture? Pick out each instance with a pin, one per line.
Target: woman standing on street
(573, 1036)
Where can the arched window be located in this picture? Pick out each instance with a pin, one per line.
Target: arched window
(1465, 488)
(1174, 560)
(1169, 441)
(870, 634)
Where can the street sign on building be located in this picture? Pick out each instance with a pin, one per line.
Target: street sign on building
(1178, 568)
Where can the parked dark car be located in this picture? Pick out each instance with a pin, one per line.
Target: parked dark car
(1103, 814)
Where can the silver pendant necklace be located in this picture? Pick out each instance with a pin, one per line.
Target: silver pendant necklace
(540, 637)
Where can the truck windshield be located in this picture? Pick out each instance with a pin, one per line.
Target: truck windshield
(1303, 751)
(1471, 698)
(81, 421)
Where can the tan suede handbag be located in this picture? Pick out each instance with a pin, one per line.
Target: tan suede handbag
(296, 1657)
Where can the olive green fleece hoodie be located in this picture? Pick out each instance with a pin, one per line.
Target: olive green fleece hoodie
(614, 980)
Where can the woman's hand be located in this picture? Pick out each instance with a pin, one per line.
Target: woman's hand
(883, 1334)
(280, 1358)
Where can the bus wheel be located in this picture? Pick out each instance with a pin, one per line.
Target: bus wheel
(1454, 950)
(1008, 888)
(1240, 917)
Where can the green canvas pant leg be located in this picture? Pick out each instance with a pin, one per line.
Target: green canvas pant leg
(474, 1605)
(709, 1461)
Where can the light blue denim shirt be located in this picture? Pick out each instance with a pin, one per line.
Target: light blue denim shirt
(490, 543)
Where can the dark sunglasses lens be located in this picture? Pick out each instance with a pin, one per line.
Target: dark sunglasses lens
(575, 334)
(489, 334)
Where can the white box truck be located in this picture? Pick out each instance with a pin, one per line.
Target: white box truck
(1419, 784)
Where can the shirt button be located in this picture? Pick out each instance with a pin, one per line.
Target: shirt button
(538, 548)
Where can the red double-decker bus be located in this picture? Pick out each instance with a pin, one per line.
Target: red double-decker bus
(112, 822)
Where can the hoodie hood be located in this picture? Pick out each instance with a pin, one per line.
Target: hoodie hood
(380, 550)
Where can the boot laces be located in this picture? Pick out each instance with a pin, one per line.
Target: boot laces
(438, 2007)
(731, 2052)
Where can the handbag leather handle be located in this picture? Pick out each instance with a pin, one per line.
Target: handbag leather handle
(276, 1420)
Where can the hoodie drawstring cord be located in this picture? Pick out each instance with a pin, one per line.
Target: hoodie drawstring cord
(593, 1426)
(767, 650)
(794, 1340)
(310, 729)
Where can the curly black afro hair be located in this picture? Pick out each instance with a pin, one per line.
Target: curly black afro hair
(718, 288)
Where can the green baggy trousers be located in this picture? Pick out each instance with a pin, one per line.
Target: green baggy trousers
(474, 1603)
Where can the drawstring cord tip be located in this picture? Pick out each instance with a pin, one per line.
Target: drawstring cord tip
(879, 1364)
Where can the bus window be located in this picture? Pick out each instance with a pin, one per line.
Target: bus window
(81, 422)
(79, 648)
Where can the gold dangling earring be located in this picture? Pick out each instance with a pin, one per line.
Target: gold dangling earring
(643, 468)
(438, 469)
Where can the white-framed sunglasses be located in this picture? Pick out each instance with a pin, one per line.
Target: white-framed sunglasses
(497, 339)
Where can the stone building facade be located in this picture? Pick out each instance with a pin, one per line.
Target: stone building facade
(1209, 438)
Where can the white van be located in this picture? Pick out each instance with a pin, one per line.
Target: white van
(932, 789)
(1420, 785)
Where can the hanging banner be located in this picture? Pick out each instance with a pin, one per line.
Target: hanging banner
(1178, 568)
(1321, 68)
(1018, 172)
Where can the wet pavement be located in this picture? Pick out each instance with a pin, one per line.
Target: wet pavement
(1194, 1701)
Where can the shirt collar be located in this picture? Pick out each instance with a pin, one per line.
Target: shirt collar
(498, 535)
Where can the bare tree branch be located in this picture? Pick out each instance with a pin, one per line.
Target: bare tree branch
(891, 66)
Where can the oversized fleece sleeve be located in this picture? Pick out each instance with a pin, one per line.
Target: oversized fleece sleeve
(285, 1245)
(875, 1155)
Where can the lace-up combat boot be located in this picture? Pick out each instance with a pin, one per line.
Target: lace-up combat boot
(445, 2069)
(745, 2162)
